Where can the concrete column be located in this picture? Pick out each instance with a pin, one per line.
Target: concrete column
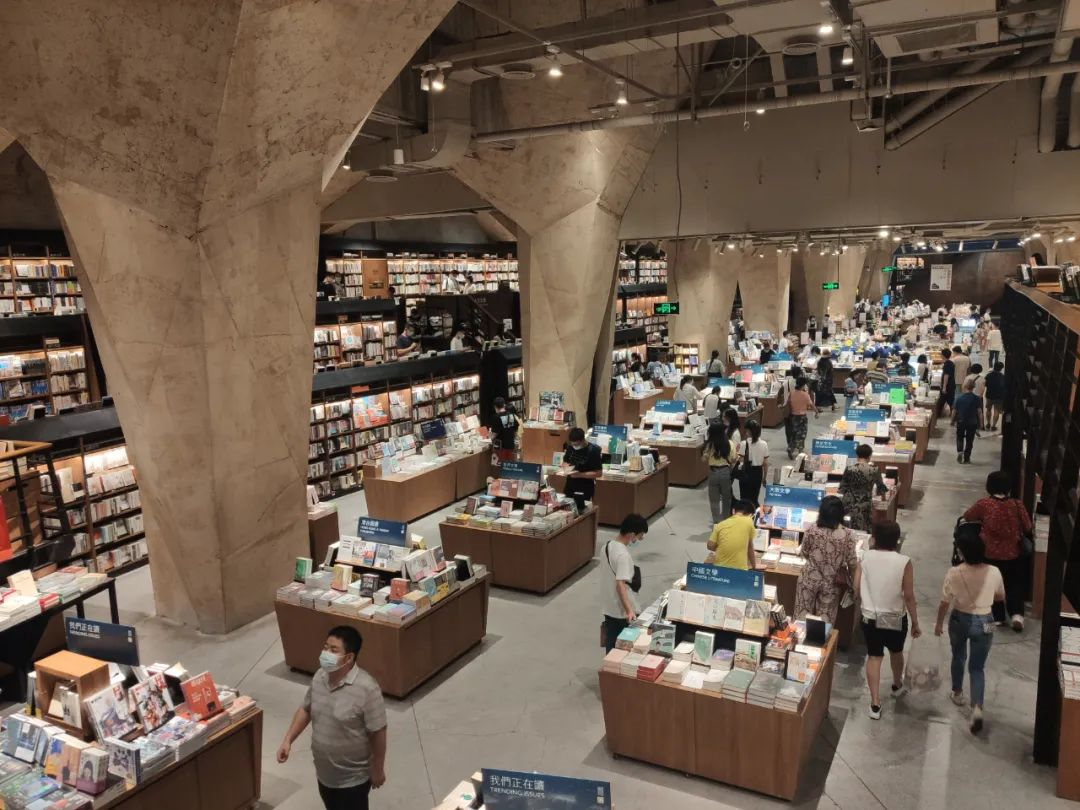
(704, 284)
(810, 270)
(765, 289)
(873, 284)
(187, 148)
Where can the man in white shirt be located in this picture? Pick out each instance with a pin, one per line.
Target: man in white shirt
(961, 363)
(994, 344)
(785, 342)
(711, 404)
(617, 567)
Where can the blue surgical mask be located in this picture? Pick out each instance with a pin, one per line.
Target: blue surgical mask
(329, 661)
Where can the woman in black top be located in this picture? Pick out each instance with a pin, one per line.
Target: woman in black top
(825, 395)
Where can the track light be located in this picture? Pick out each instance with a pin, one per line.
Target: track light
(555, 70)
(1059, 240)
(795, 248)
(849, 56)
(825, 29)
(621, 98)
(346, 163)
(1071, 237)
(425, 82)
(920, 242)
(897, 237)
(883, 232)
(730, 245)
(939, 247)
(438, 81)
(1036, 235)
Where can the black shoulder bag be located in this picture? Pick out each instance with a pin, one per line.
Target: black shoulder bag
(635, 581)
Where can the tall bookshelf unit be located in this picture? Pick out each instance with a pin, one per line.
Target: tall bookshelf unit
(44, 284)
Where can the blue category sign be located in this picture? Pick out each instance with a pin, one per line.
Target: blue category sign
(669, 406)
(721, 382)
(782, 356)
(864, 415)
(718, 581)
(435, 429)
(116, 643)
(521, 471)
(390, 532)
(833, 447)
(617, 431)
(800, 497)
(881, 388)
(514, 790)
(755, 368)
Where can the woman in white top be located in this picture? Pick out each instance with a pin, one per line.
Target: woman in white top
(688, 393)
(971, 589)
(886, 585)
(755, 456)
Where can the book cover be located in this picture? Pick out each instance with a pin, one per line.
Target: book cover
(342, 577)
(26, 740)
(399, 587)
(53, 758)
(798, 666)
(756, 617)
(69, 760)
(747, 654)
(703, 646)
(714, 611)
(694, 608)
(123, 760)
(201, 696)
(734, 612)
(150, 704)
(303, 569)
(663, 638)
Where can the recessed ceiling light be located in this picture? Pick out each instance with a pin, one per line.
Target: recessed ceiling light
(438, 82)
(760, 110)
(897, 237)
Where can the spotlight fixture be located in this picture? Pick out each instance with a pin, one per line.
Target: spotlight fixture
(730, 245)
(883, 232)
(825, 29)
(760, 110)
(961, 245)
(425, 82)
(779, 250)
(897, 238)
(346, 163)
(555, 70)
(849, 56)
(795, 247)
(1036, 235)
(621, 98)
(438, 81)
(939, 246)
(1060, 239)
(1071, 237)
(920, 242)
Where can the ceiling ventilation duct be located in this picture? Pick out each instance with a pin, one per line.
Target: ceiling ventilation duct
(803, 45)
(518, 71)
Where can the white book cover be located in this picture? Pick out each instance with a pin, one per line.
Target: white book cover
(694, 608)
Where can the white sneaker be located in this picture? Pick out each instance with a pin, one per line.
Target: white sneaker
(899, 691)
(875, 712)
(958, 698)
(1018, 623)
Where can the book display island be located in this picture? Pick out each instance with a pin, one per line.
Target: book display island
(416, 610)
(97, 736)
(639, 485)
(727, 686)
(527, 535)
(546, 429)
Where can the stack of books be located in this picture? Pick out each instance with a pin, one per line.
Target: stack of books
(736, 685)
(674, 672)
(650, 667)
(713, 680)
(630, 663)
(790, 696)
(764, 689)
(613, 660)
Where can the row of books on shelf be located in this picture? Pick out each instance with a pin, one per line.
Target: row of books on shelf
(165, 716)
(1069, 658)
(551, 513)
(21, 389)
(121, 556)
(118, 529)
(22, 365)
(748, 616)
(125, 502)
(24, 597)
(418, 579)
(63, 383)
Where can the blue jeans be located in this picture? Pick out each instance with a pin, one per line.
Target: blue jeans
(977, 631)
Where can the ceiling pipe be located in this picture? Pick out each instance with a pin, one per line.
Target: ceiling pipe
(953, 106)
(920, 105)
(792, 102)
(1048, 105)
(1074, 116)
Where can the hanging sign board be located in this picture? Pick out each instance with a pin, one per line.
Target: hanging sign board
(941, 277)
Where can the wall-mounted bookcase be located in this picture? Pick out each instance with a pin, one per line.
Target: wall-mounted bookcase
(350, 344)
(687, 358)
(55, 376)
(620, 358)
(38, 284)
(639, 312)
(642, 270)
(414, 274)
(515, 379)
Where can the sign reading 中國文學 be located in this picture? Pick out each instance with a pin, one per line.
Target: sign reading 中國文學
(800, 497)
(719, 581)
(390, 532)
(515, 790)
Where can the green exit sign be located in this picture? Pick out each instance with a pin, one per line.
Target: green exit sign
(666, 308)
(831, 285)
(887, 269)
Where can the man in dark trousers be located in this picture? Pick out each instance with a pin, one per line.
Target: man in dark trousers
(582, 465)
(967, 416)
(505, 430)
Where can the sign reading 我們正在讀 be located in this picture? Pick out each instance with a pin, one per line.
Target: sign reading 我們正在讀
(800, 497)
(719, 581)
(377, 530)
(833, 447)
(516, 790)
(521, 471)
(115, 643)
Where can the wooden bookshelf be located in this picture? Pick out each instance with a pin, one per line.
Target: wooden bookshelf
(55, 376)
(42, 284)
(639, 312)
(687, 358)
(416, 274)
(515, 381)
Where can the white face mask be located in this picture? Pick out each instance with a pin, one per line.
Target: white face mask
(329, 661)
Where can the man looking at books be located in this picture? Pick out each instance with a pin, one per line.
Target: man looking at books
(345, 707)
(505, 430)
(617, 590)
(731, 544)
(582, 464)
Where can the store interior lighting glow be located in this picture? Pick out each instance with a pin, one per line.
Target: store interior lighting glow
(825, 29)
(346, 163)
(897, 237)
(760, 110)
(555, 71)
(730, 245)
(621, 97)
(438, 82)
(1036, 235)
(425, 82)
(883, 232)
(849, 56)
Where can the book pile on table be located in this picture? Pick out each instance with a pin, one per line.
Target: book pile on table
(551, 513)
(24, 597)
(749, 616)
(164, 716)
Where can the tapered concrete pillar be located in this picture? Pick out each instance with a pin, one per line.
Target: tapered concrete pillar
(765, 290)
(873, 283)
(567, 195)
(187, 145)
(809, 270)
(704, 284)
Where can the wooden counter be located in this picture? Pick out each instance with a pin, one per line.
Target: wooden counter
(539, 443)
(773, 413)
(521, 561)
(688, 468)
(701, 733)
(224, 774)
(907, 476)
(1068, 775)
(629, 410)
(399, 657)
(471, 473)
(406, 497)
(615, 500)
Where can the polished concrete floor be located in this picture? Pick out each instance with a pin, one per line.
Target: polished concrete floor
(527, 697)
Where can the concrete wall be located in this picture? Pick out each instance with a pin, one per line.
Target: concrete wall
(809, 168)
(26, 201)
(978, 278)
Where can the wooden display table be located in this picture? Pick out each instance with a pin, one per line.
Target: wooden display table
(786, 580)
(1068, 776)
(224, 774)
(687, 467)
(907, 475)
(773, 413)
(882, 512)
(407, 496)
(645, 495)
(521, 561)
(471, 473)
(539, 443)
(922, 439)
(629, 409)
(323, 531)
(702, 733)
(757, 414)
(399, 657)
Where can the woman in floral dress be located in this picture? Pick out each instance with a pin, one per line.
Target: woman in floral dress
(857, 488)
(828, 548)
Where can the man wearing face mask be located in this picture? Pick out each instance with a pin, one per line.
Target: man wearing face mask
(583, 463)
(622, 578)
(344, 705)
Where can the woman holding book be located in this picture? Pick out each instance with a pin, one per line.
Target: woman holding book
(857, 488)
(720, 455)
(829, 549)
(885, 582)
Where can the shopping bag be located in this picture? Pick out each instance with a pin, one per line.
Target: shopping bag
(924, 665)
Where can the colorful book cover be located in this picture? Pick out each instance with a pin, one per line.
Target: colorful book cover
(703, 646)
(108, 713)
(303, 569)
(69, 761)
(53, 759)
(93, 770)
(123, 760)
(756, 618)
(201, 696)
(149, 704)
(747, 654)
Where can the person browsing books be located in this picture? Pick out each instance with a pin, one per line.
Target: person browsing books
(457, 342)
(857, 488)
(620, 582)
(731, 544)
(711, 405)
(687, 393)
(716, 365)
(405, 343)
(505, 429)
(582, 464)
(344, 706)
(754, 453)
(800, 403)
(885, 582)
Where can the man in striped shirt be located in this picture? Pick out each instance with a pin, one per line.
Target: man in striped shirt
(344, 705)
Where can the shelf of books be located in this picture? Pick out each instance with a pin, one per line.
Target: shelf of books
(38, 285)
(350, 275)
(515, 389)
(413, 274)
(99, 496)
(714, 653)
(530, 537)
(687, 358)
(96, 736)
(350, 344)
(55, 377)
(638, 485)
(621, 358)
(348, 431)
(417, 612)
(642, 271)
(640, 311)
